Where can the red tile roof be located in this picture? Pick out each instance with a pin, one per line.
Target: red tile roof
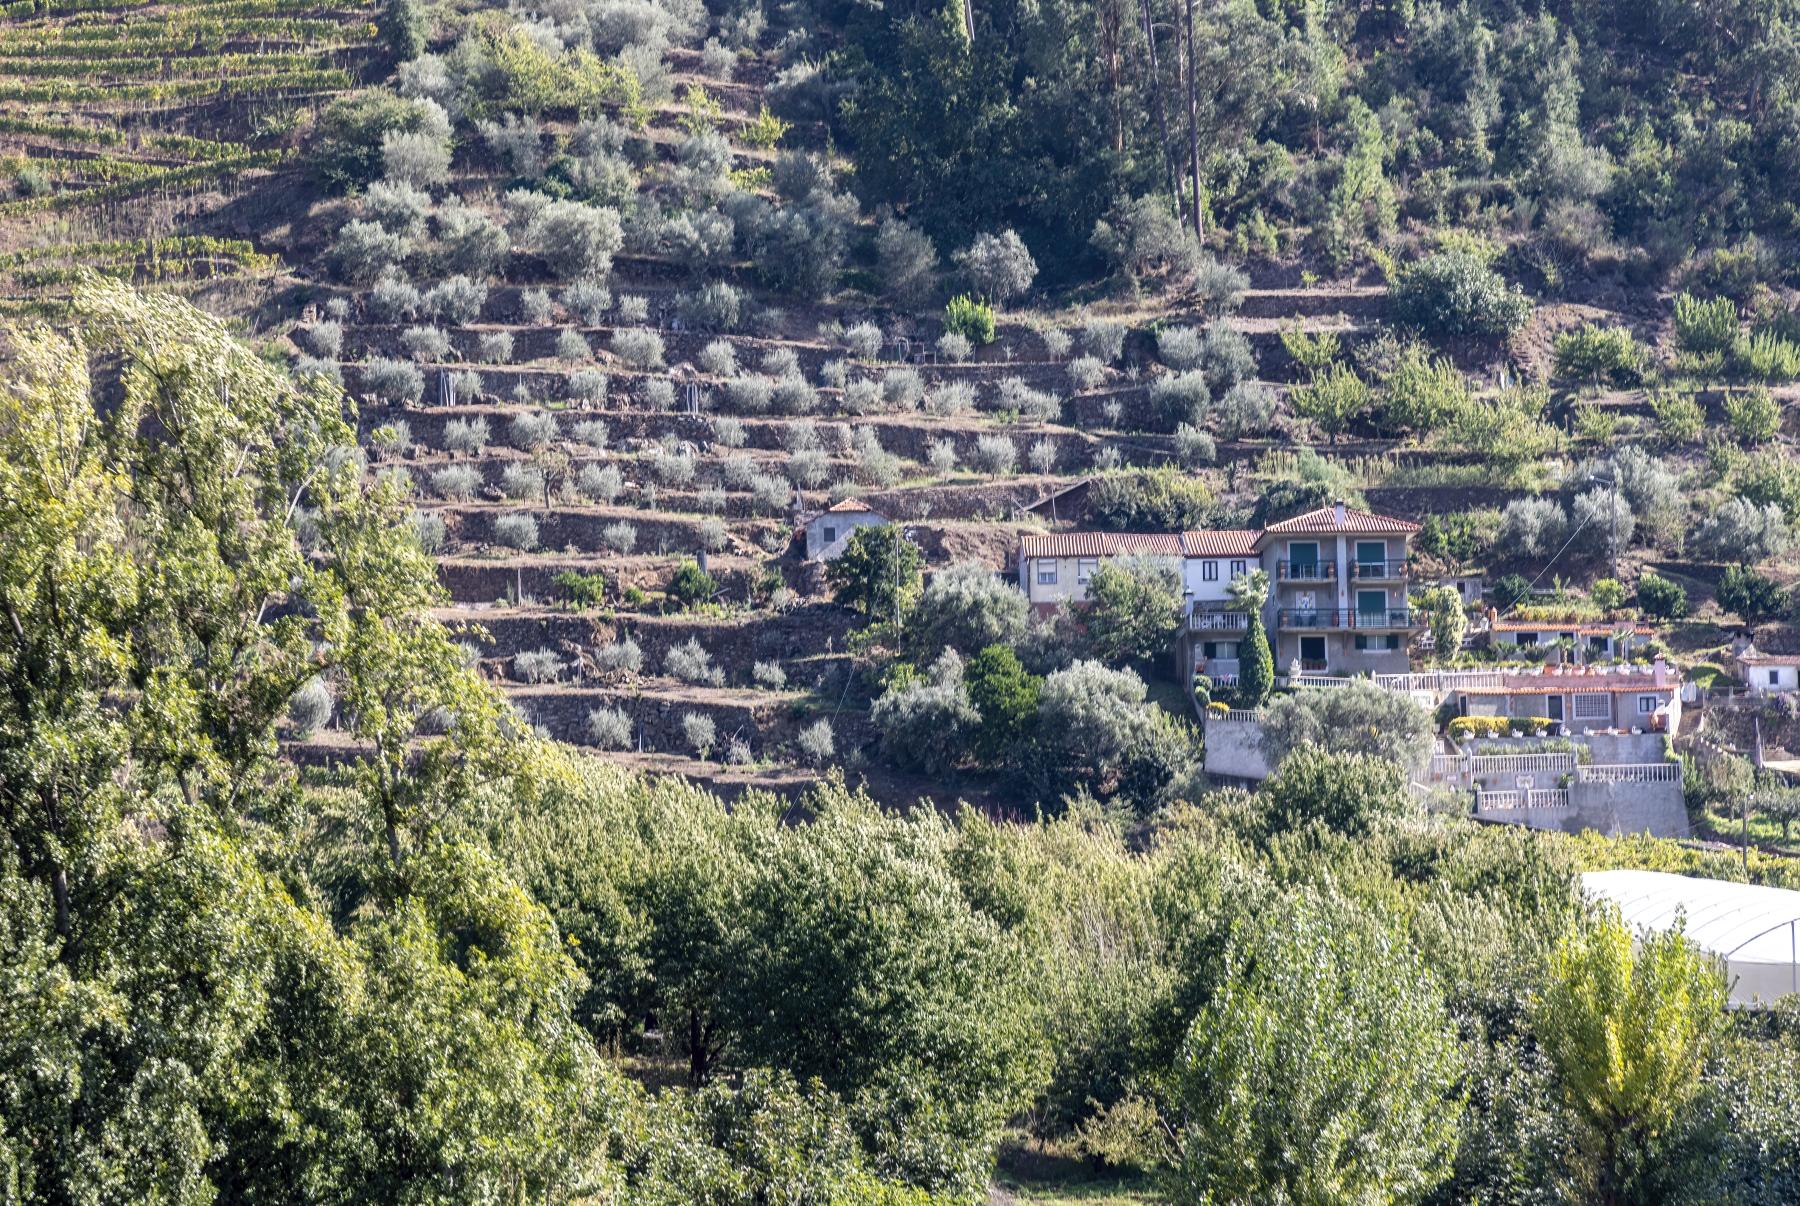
(1099, 544)
(851, 504)
(1227, 543)
(1325, 520)
(1576, 685)
(1768, 659)
(1589, 628)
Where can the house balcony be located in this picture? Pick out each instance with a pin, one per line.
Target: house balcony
(1218, 621)
(1390, 619)
(1305, 571)
(1223, 671)
(1378, 571)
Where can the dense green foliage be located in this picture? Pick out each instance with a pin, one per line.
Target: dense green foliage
(877, 572)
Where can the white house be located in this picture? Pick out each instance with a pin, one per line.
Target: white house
(828, 531)
(1767, 673)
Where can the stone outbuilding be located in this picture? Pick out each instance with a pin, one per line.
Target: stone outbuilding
(829, 530)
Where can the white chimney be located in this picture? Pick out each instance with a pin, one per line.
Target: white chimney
(1339, 508)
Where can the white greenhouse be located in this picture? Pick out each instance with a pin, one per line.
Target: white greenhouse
(1755, 930)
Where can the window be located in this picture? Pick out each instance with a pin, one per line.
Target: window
(1209, 650)
(830, 535)
(1525, 638)
(1209, 571)
(1312, 649)
(1593, 707)
(1774, 678)
(1304, 554)
(1046, 572)
(1362, 640)
(1371, 558)
(1393, 640)
(1647, 704)
(1085, 568)
(1553, 705)
(1237, 569)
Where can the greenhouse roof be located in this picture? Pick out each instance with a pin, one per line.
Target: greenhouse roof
(1756, 930)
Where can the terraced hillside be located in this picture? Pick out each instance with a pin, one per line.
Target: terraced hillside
(604, 311)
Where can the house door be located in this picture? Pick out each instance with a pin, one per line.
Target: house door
(1371, 608)
(1553, 707)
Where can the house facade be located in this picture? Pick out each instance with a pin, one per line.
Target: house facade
(1767, 673)
(1590, 640)
(1584, 699)
(1337, 588)
(828, 531)
(1338, 591)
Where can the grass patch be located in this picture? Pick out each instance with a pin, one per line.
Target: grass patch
(1033, 1173)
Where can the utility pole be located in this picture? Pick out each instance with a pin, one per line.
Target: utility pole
(1612, 542)
(1193, 121)
(896, 586)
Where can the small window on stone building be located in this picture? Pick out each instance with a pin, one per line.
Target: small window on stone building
(1046, 573)
(830, 535)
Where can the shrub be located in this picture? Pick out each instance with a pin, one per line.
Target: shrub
(364, 250)
(749, 394)
(535, 307)
(675, 471)
(458, 299)
(466, 385)
(1103, 338)
(347, 145)
(815, 741)
(521, 480)
(951, 398)
(516, 531)
(716, 305)
(1532, 527)
(907, 261)
(1766, 356)
(1359, 719)
(1456, 293)
(392, 300)
(472, 242)
(809, 469)
(639, 347)
(1194, 447)
(969, 318)
(769, 676)
(862, 397)
(1056, 343)
(1221, 285)
(1744, 533)
(700, 732)
(590, 386)
(589, 301)
(738, 472)
(1705, 327)
(800, 437)
(728, 432)
(577, 241)
(718, 358)
(1227, 355)
(794, 396)
(999, 266)
(1511, 590)
(1334, 397)
(495, 347)
(1598, 353)
(955, 347)
(620, 537)
(425, 344)
(398, 207)
(633, 308)
(1593, 514)
(942, 457)
(536, 429)
(1086, 373)
(1754, 415)
(325, 339)
(459, 483)
(543, 666)
(713, 535)
(1661, 599)
(995, 455)
(1422, 394)
(691, 585)
(311, 366)
(310, 708)
(418, 158)
(1179, 399)
(770, 493)
(572, 347)
(1180, 348)
(583, 590)
(658, 393)
(864, 341)
(602, 482)
(610, 728)
(623, 654)
(1157, 500)
(466, 435)
(393, 381)
(902, 388)
(691, 663)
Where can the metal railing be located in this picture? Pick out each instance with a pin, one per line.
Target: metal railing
(1502, 801)
(1305, 571)
(1378, 571)
(1393, 617)
(1218, 621)
(1631, 772)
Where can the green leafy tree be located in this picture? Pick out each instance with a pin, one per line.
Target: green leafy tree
(1449, 622)
(1678, 417)
(404, 27)
(1595, 353)
(1507, 430)
(1334, 397)
(1705, 327)
(1755, 597)
(1754, 415)
(1421, 395)
(1136, 609)
(972, 319)
(1629, 1022)
(1608, 594)
(692, 585)
(1323, 1069)
(879, 567)
(1456, 293)
(1007, 698)
(1256, 661)
(967, 607)
(1661, 599)
(1358, 719)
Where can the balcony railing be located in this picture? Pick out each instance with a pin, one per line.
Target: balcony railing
(1393, 617)
(1219, 669)
(1378, 571)
(1305, 571)
(1642, 772)
(1218, 621)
